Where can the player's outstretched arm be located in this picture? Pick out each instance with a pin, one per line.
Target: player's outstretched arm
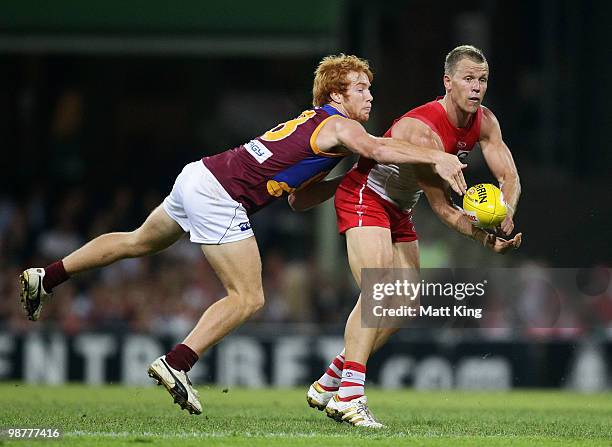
(416, 132)
(353, 136)
(441, 203)
(500, 162)
(309, 197)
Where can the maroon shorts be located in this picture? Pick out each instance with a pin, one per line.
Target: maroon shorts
(359, 206)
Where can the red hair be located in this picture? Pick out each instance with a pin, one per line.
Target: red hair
(331, 76)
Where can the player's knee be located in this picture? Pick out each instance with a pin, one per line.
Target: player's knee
(250, 301)
(255, 301)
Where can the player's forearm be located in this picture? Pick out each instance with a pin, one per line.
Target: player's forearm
(397, 152)
(510, 186)
(457, 220)
(314, 195)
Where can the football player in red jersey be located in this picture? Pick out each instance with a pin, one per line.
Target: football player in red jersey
(374, 202)
(212, 200)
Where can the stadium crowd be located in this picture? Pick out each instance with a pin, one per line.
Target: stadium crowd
(81, 144)
(166, 293)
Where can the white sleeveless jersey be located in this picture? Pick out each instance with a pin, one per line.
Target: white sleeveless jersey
(395, 183)
(398, 183)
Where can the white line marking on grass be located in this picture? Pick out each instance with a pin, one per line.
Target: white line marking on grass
(125, 434)
(224, 434)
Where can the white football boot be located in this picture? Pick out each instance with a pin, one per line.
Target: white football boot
(317, 397)
(354, 412)
(32, 293)
(177, 383)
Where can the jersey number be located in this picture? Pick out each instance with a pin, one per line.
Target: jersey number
(283, 130)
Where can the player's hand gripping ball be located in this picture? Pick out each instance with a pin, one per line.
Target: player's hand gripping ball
(484, 205)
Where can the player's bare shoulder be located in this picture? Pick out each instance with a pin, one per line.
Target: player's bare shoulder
(416, 132)
(489, 125)
(334, 131)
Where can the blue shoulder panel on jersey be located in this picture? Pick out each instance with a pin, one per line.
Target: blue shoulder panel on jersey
(306, 169)
(332, 110)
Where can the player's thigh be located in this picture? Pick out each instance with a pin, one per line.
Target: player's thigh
(406, 258)
(368, 247)
(406, 255)
(238, 265)
(158, 231)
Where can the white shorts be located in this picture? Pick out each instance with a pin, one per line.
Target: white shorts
(202, 207)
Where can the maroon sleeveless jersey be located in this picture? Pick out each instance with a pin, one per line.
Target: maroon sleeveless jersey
(283, 160)
(457, 141)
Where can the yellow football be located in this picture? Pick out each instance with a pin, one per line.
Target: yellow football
(484, 205)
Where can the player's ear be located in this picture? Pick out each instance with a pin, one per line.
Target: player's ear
(447, 81)
(336, 97)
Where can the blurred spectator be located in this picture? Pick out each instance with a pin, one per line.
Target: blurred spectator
(67, 164)
(167, 293)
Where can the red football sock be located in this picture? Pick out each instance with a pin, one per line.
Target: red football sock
(353, 381)
(330, 380)
(55, 274)
(182, 357)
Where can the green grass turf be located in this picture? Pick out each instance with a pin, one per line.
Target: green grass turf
(113, 415)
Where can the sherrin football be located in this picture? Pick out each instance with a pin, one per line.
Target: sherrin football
(484, 205)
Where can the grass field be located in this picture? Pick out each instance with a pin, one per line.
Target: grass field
(114, 415)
